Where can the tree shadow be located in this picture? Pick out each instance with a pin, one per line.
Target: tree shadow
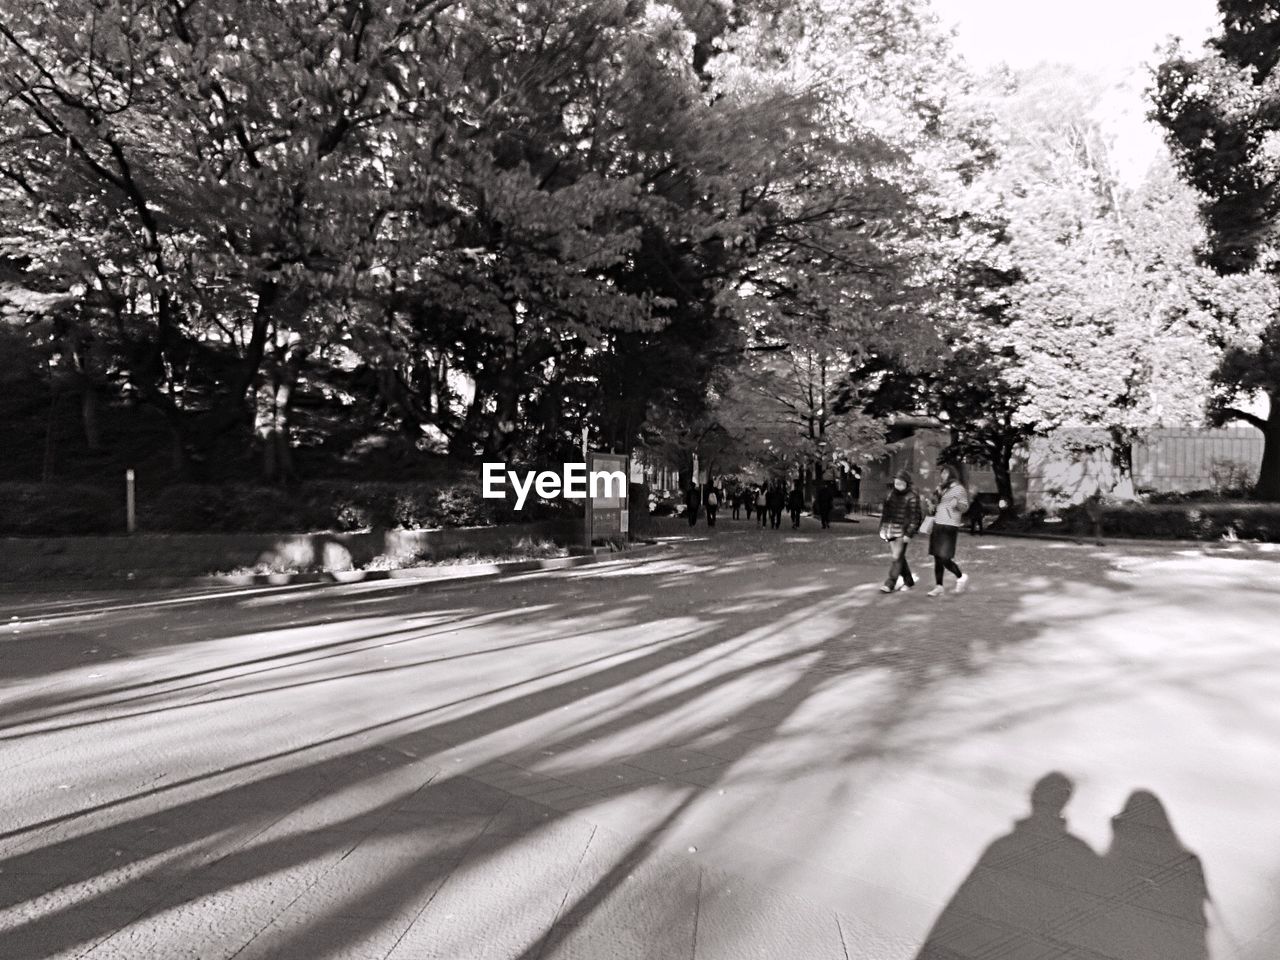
(276, 836)
(1040, 891)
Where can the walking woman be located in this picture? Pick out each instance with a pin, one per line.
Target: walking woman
(952, 503)
(692, 502)
(900, 518)
(795, 503)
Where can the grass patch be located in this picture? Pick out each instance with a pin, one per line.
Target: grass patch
(526, 548)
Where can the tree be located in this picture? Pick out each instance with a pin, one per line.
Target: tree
(782, 408)
(477, 224)
(1106, 317)
(209, 174)
(1220, 115)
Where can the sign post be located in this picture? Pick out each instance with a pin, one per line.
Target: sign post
(607, 505)
(130, 512)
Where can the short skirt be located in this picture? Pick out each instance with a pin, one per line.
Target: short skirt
(942, 541)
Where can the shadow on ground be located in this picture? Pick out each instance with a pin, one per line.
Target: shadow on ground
(393, 801)
(1041, 891)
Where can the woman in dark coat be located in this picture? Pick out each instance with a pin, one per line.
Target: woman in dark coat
(899, 520)
(692, 502)
(795, 503)
(777, 500)
(823, 504)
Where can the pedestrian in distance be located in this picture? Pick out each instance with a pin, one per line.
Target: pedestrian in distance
(795, 503)
(749, 500)
(952, 502)
(824, 503)
(692, 501)
(900, 518)
(737, 504)
(777, 501)
(762, 504)
(974, 514)
(713, 506)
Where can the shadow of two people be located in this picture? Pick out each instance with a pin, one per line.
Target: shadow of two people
(1041, 892)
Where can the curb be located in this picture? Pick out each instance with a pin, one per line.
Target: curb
(428, 574)
(424, 575)
(1216, 546)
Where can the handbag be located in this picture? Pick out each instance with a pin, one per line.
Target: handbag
(926, 526)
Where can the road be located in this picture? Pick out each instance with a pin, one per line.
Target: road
(735, 749)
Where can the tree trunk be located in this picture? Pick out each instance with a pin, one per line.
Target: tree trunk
(89, 414)
(1000, 461)
(1122, 461)
(1268, 487)
(272, 423)
(49, 429)
(178, 458)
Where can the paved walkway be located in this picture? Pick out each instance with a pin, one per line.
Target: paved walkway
(741, 750)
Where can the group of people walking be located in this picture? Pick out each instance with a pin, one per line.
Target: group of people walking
(767, 500)
(903, 516)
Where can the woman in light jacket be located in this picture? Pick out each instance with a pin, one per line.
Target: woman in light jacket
(952, 502)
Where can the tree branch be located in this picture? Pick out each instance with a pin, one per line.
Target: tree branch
(1231, 413)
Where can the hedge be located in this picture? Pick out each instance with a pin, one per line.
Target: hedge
(1181, 521)
(340, 506)
(33, 509)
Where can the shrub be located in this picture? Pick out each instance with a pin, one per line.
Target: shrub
(420, 505)
(1195, 521)
(638, 521)
(44, 509)
(1230, 494)
(336, 505)
(1182, 520)
(214, 508)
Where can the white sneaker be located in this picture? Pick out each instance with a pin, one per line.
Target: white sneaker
(935, 592)
(962, 583)
(885, 589)
(908, 586)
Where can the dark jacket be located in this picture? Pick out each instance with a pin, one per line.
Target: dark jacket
(825, 500)
(795, 499)
(902, 508)
(775, 498)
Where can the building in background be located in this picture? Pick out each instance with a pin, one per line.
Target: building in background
(1046, 477)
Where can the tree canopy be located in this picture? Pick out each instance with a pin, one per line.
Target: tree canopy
(747, 229)
(1221, 117)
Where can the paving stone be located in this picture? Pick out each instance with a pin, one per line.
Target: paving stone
(738, 920)
(306, 935)
(67, 939)
(673, 762)
(626, 904)
(506, 893)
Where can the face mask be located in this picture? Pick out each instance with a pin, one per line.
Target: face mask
(899, 485)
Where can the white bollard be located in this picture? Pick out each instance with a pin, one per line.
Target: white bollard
(130, 512)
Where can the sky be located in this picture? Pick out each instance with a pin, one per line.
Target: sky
(1111, 38)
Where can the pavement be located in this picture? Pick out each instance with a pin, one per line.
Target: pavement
(735, 749)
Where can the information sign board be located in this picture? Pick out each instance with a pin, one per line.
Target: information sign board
(607, 516)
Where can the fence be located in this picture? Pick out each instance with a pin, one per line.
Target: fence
(1190, 459)
(1180, 459)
